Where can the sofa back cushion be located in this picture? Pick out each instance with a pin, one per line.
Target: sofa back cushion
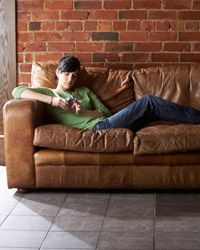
(178, 83)
(115, 88)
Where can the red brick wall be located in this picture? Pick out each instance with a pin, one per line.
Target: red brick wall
(114, 33)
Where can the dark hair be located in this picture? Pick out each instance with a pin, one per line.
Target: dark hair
(69, 64)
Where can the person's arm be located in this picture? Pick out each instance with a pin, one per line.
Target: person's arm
(98, 108)
(40, 94)
(98, 105)
(31, 94)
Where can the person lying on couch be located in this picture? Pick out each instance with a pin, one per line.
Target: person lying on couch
(79, 107)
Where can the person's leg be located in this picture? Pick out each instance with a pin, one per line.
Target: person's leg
(147, 109)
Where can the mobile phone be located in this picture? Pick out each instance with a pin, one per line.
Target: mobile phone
(70, 101)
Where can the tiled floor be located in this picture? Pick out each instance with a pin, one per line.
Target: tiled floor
(98, 220)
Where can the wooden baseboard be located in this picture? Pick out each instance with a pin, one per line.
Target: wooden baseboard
(2, 155)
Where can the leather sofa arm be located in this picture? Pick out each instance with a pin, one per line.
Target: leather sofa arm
(20, 119)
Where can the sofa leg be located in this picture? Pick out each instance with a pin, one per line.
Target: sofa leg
(23, 190)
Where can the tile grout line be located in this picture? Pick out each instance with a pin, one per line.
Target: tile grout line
(52, 223)
(154, 225)
(108, 203)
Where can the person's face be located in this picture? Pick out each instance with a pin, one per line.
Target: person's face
(66, 80)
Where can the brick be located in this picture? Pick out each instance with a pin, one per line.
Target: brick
(29, 57)
(103, 14)
(189, 36)
(48, 57)
(25, 67)
(76, 25)
(29, 5)
(120, 4)
(24, 37)
(135, 57)
(146, 4)
(106, 57)
(24, 78)
(62, 25)
(115, 46)
(189, 15)
(48, 25)
(163, 25)
(119, 25)
(58, 4)
(34, 25)
(196, 5)
(84, 57)
(39, 46)
(163, 36)
(76, 36)
(21, 26)
(20, 58)
(148, 47)
(148, 25)
(116, 65)
(47, 36)
(89, 47)
(105, 26)
(90, 25)
(177, 46)
(74, 15)
(160, 14)
(164, 57)
(60, 46)
(45, 15)
(134, 36)
(132, 14)
(177, 4)
(23, 16)
(88, 5)
(192, 26)
(146, 65)
(190, 57)
(20, 47)
(196, 47)
(133, 25)
(109, 36)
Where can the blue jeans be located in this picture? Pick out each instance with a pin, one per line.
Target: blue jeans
(148, 109)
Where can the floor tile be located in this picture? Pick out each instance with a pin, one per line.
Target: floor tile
(137, 198)
(7, 207)
(16, 248)
(177, 241)
(177, 224)
(78, 223)
(126, 240)
(32, 223)
(46, 204)
(2, 218)
(32, 239)
(122, 208)
(71, 240)
(178, 198)
(177, 210)
(127, 225)
(83, 208)
(84, 196)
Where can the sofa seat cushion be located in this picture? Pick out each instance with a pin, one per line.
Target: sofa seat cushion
(163, 139)
(56, 136)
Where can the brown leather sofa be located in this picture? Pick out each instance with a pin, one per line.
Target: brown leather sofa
(162, 155)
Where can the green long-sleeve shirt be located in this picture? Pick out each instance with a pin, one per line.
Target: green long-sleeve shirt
(88, 101)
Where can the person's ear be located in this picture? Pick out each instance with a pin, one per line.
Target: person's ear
(58, 73)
